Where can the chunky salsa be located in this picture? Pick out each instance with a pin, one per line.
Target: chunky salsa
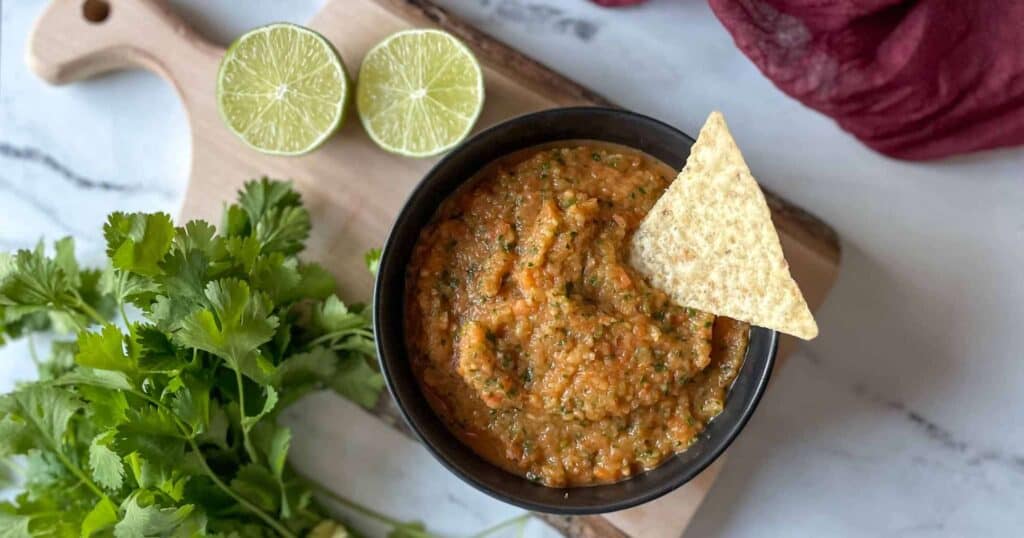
(536, 342)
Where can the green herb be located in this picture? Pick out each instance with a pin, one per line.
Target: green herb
(167, 426)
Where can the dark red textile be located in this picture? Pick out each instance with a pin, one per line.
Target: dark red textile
(913, 79)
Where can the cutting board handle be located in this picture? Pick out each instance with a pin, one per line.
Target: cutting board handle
(76, 39)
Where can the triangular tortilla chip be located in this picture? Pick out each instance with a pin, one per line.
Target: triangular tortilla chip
(709, 241)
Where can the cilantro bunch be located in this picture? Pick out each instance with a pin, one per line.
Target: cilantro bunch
(166, 426)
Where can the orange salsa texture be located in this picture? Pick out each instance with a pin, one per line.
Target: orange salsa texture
(536, 342)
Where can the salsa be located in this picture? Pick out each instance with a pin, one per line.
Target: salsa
(537, 343)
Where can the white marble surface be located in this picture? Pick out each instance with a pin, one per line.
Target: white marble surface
(902, 419)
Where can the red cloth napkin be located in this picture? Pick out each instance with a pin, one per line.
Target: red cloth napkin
(913, 79)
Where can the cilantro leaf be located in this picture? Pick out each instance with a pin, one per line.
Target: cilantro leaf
(258, 198)
(66, 261)
(137, 242)
(102, 517)
(189, 398)
(357, 381)
(257, 484)
(153, 434)
(314, 282)
(276, 216)
(237, 323)
(44, 472)
(15, 438)
(334, 317)
(245, 251)
(126, 287)
(104, 379)
(143, 518)
(305, 371)
(107, 350)
(105, 408)
(269, 402)
(280, 443)
(157, 352)
(106, 465)
(184, 274)
(235, 221)
(169, 478)
(13, 525)
(372, 259)
(283, 230)
(277, 453)
(167, 313)
(33, 281)
(43, 412)
(195, 235)
(277, 276)
(328, 529)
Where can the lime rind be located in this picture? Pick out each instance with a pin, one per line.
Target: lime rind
(402, 101)
(282, 102)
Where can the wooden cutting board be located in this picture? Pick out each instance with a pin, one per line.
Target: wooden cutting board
(352, 188)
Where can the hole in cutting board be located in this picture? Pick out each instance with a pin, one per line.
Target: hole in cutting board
(96, 11)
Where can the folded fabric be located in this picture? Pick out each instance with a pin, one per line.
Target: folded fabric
(913, 79)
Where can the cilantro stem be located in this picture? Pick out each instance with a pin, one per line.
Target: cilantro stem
(32, 350)
(124, 318)
(339, 334)
(521, 519)
(238, 498)
(241, 416)
(187, 432)
(72, 315)
(122, 276)
(55, 447)
(89, 311)
(75, 470)
(42, 515)
(368, 512)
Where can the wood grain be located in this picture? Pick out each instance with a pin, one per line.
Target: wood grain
(352, 188)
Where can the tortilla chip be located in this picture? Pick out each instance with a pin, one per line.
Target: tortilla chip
(709, 241)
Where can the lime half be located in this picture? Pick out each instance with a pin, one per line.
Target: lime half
(282, 89)
(419, 92)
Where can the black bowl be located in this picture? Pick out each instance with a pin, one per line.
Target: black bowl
(633, 130)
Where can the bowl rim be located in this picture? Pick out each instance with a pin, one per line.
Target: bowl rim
(688, 473)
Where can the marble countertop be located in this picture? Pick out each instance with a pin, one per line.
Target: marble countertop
(900, 420)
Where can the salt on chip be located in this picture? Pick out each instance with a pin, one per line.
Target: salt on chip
(709, 241)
